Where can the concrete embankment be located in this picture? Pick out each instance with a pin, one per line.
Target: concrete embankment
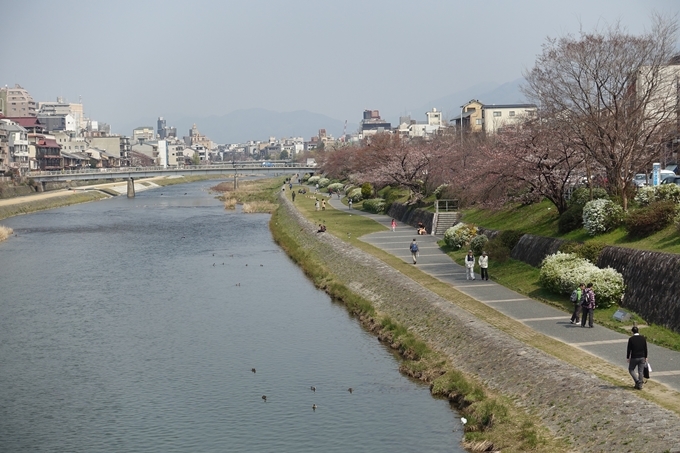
(587, 412)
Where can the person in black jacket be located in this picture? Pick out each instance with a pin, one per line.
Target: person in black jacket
(637, 356)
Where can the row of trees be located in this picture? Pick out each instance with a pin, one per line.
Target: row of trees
(607, 106)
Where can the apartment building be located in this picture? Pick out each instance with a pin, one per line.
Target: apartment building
(16, 102)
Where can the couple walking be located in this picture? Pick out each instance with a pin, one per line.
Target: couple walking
(583, 299)
(470, 266)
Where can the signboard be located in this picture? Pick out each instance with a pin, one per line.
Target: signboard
(656, 174)
(621, 316)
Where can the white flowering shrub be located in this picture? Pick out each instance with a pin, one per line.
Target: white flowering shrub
(440, 190)
(355, 194)
(374, 205)
(323, 182)
(600, 216)
(562, 272)
(663, 192)
(459, 235)
(336, 186)
(645, 195)
(313, 180)
(667, 192)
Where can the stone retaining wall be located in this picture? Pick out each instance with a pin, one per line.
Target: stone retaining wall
(589, 413)
(652, 284)
(533, 249)
(411, 215)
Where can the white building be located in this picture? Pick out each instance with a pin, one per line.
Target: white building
(497, 116)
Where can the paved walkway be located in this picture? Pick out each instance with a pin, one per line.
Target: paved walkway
(550, 321)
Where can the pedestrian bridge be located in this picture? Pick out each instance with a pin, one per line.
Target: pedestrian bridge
(132, 173)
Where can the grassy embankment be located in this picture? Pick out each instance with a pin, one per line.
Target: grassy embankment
(492, 418)
(257, 195)
(541, 220)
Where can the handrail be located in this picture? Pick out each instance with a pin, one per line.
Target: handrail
(447, 205)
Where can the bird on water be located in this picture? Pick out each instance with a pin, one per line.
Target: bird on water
(313, 407)
(313, 388)
(264, 398)
(350, 390)
(253, 370)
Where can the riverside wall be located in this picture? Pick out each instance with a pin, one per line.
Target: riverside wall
(588, 413)
(411, 215)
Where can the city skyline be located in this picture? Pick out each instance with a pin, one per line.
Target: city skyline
(135, 61)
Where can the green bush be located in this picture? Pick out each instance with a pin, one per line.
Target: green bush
(562, 272)
(581, 196)
(374, 205)
(588, 251)
(366, 190)
(390, 194)
(650, 219)
(478, 243)
(571, 219)
(459, 235)
(601, 216)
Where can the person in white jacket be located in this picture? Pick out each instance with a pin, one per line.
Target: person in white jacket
(484, 266)
(470, 266)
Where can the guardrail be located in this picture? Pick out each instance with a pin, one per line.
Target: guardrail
(235, 166)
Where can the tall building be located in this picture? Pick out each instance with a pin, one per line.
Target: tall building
(62, 108)
(161, 128)
(16, 102)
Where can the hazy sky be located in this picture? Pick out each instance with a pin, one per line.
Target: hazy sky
(137, 60)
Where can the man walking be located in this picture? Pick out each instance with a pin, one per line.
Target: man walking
(588, 306)
(469, 266)
(484, 266)
(637, 357)
(576, 298)
(414, 250)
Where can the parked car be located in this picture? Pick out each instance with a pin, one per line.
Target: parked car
(671, 180)
(640, 180)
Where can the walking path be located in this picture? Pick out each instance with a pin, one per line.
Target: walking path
(599, 341)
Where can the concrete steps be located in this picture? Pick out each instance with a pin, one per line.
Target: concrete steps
(445, 220)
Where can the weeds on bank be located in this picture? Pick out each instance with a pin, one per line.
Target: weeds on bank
(256, 196)
(5, 232)
(184, 179)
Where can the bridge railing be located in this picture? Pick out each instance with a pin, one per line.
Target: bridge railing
(229, 166)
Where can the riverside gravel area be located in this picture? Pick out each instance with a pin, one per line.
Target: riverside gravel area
(588, 413)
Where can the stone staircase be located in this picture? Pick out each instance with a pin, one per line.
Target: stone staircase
(444, 221)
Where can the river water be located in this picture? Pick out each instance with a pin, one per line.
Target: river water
(132, 325)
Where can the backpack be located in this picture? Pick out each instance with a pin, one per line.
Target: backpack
(574, 296)
(414, 247)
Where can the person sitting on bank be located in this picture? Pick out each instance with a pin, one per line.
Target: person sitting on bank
(421, 229)
(322, 228)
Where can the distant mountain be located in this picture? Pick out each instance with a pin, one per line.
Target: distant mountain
(260, 124)
(486, 93)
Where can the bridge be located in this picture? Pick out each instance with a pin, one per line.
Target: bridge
(132, 173)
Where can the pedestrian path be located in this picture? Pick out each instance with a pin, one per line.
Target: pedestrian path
(599, 341)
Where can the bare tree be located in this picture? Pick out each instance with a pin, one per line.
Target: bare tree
(615, 93)
(536, 159)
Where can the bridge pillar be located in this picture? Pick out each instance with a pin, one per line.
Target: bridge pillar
(235, 182)
(131, 188)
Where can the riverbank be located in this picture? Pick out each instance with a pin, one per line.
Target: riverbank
(566, 399)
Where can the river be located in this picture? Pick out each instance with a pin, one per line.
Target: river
(134, 325)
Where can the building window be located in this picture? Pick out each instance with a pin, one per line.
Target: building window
(478, 122)
(496, 114)
(512, 113)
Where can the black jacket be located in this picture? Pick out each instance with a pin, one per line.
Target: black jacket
(637, 347)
